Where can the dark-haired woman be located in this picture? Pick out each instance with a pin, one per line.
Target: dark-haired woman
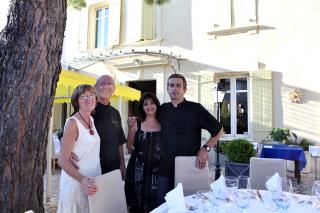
(144, 143)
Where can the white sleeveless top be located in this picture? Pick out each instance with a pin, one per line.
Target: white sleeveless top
(87, 148)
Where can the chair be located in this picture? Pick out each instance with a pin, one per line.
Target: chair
(192, 178)
(260, 168)
(110, 196)
(55, 151)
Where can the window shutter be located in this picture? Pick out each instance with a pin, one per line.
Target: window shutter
(245, 12)
(262, 115)
(148, 22)
(222, 14)
(114, 22)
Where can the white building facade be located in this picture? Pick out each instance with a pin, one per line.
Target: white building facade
(261, 51)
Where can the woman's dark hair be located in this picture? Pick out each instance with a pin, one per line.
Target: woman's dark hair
(145, 97)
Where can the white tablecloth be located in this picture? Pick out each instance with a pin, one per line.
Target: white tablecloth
(256, 206)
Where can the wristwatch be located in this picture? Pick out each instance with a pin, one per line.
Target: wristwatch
(206, 147)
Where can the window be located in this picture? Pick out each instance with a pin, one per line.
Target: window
(234, 108)
(235, 13)
(104, 16)
(102, 22)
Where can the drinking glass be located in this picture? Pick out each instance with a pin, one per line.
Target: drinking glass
(244, 182)
(283, 198)
(232, 185)
(269, 203)
(243, 194)
(242, 198)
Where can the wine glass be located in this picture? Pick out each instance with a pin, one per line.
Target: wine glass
(242, 198)
(283, 198)
(272, 187)
(232, 185)
(243, 195)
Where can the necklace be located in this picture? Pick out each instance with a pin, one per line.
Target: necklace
(88, 124)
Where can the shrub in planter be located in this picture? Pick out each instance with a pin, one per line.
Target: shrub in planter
(239, 150)
(222, 145)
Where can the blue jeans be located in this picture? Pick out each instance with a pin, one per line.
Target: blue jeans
(165, 184)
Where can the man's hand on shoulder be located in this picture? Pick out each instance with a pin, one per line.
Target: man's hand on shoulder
(73, 160)
(132, 121)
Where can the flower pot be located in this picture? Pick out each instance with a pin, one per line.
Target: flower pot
(236, 169)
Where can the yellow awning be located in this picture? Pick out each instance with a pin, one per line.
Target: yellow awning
(69, 80)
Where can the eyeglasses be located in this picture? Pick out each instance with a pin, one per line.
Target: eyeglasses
(105, 84)
(88, 97)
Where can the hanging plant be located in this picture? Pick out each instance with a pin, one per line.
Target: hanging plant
(159, 2)
(77, 4)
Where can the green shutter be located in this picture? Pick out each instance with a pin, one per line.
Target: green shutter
(114, 22)
(148, 22)
(262, 116)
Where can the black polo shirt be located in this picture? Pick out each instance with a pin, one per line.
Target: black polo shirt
(108, 124)
(181, 131)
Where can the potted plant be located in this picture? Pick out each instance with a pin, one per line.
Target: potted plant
(239, 152)
(281, 135)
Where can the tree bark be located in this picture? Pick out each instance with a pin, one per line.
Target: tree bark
(30, 53)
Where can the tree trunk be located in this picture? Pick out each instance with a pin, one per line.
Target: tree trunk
(30, 53)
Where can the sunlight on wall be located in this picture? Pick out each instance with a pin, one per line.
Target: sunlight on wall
(3, 13)
(303, 118)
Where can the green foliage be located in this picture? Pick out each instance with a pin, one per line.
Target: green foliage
(304, 143)
(222, 145)
(159, 2)
(239, 150)
(77, 4)
(282, 134)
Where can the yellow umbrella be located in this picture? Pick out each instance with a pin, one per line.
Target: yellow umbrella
(69, 80)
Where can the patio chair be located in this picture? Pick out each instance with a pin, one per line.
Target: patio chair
(260, 168)
(191, 178)
(110, 196)
(55, 151)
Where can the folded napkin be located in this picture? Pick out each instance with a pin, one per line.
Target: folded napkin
(175, 199)
(274, 183)
(219, 188)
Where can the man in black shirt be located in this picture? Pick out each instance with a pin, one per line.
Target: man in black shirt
(181, 124)
(107, 121)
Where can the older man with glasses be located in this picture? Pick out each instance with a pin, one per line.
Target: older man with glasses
(107, 121)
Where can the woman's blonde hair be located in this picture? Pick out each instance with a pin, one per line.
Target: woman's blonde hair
(78, 91)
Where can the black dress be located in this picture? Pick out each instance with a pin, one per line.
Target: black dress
(141, 181)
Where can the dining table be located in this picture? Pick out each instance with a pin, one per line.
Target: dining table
(287, 152)
(258, 203)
